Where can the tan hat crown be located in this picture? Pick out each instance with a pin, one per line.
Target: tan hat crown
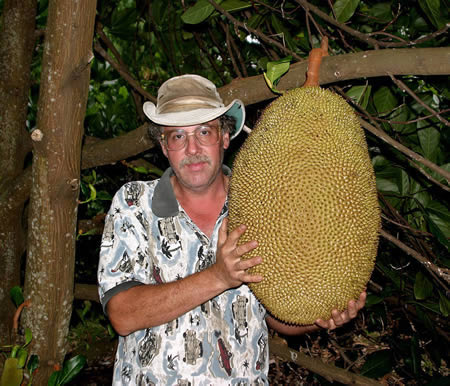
(190, 100)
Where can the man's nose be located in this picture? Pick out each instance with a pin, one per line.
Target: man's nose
(192, 145)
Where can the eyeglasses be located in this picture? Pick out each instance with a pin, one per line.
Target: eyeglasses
(204, 135)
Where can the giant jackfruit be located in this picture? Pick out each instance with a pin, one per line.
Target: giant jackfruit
(304, 185)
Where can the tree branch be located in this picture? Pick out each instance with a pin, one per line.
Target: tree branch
(365, 37)
(443, 273)
(202, 47)
(115, 149)
(402, 86)
(255, 32)
(230, 51)
(397, 145)
(366, 64)
(430, 178)
(411, 154)
(124, 73)
(332, 373)
(343, 27)
(406, 61)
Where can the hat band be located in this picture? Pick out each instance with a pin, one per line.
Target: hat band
(186, 104)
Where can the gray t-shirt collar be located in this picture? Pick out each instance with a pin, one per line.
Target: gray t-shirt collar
(164, 203)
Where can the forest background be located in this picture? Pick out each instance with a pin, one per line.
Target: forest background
(73, 78)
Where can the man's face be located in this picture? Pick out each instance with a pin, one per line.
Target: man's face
(195, 165)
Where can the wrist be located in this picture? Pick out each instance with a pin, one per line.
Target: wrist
(215, 279)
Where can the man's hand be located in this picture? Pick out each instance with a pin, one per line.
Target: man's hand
(229, 268)
(340, 318)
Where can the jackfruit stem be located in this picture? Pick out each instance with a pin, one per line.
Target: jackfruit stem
(314, 61)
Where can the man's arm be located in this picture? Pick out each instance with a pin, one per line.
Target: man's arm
(146, 306)
(337, 319)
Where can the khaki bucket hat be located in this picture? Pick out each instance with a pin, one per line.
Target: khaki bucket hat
(191, 100)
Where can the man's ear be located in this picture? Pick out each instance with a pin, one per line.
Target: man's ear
(163, 148)
(226, 140)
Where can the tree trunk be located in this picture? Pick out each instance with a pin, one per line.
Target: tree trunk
(16, 51)
(56, 173)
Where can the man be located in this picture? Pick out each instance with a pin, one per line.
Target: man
(171, 279)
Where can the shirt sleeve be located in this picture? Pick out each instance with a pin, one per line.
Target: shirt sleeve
(124, 260)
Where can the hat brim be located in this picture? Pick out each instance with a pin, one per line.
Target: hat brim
(197, 116)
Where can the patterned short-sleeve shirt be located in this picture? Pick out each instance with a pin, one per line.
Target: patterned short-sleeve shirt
(149, 239)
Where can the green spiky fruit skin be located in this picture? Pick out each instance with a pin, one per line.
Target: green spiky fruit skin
(304, 185)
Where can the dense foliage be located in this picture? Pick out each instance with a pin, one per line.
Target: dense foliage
(403, 335)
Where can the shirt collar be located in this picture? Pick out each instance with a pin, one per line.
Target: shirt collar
(164, 203)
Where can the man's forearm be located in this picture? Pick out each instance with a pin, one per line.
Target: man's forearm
(151, 305)
(289, 329)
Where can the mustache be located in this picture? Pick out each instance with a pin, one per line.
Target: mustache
(195, 159)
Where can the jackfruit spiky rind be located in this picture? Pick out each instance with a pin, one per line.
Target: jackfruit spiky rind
(304, 185)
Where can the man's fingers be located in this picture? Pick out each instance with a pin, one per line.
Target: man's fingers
(361, 302)
(247, 278)
(337, 318)
(246, 264)
(340, 318)
(234, 235)
(321, 323)
(223, 234)
(352, 309)
(245, 248)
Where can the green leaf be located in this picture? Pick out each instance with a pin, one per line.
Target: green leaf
(432, 306)
(432, 9)
(275, 70)
(426, 320)
(22, 356)
(85, 310)
(140, 169)
(377, 364)
(93, 192)
(235, 5)
(92, 196)
(423, 288)
(429, 139)
(14, 351)
(444, 305)
(255, 21)
(436, 230)
(123, 92)
(439, 176)
(360, 94)
(54, 378)
(87, 233)
(103, 195)
(111, 331)
(269, 83)
(401, 114)
(16, 294)
(201, 10)
(373, 299)
(123, 23)
(415, 355)
(283, 32)
(159, 11)
(381, 11)
(344, 9)
(385, 101)
(12, 375)
(33, 363)
(28, 336)
(71, 368)
(392, 179)
(440, 215)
